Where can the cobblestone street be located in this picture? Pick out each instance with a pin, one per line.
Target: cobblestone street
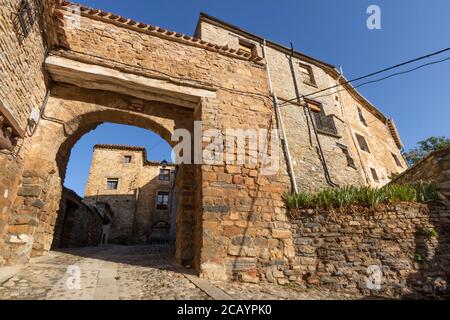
(128, 273)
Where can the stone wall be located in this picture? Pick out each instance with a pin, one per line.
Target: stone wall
(435, 167)
(22, 87)
(22, 82)
(77, 225)
(10, 173)
(409, 243)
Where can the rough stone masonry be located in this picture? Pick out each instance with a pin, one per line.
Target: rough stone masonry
(79, 67)
(403, 249)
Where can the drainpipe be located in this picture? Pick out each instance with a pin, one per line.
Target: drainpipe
(135, 212)
(350, 130)
(319, 145)
(281, 123)
(137, 193)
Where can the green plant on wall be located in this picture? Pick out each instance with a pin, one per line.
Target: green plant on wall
(372, 197)
(345, 197)
(400, 193)
(432, 233)
(348, 196)
(426, 192)
(420, 257)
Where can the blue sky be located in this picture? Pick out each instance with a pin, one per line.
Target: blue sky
(333, 31)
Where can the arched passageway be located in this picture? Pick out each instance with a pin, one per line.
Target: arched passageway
(118, 185)
(71, 112)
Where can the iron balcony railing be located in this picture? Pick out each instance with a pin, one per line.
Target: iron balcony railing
(325, 124)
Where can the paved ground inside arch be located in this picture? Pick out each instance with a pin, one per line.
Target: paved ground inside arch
(129, 273)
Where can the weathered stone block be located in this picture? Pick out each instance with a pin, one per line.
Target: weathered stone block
(30, 191)
(218, 208)
(21, 229)
(281, 234)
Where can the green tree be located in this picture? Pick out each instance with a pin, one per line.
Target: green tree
(425, 147)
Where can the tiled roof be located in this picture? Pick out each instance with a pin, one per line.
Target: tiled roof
(132, 148)
(118, 147)
(143, 27)
(157, 163)
(230, 27)
(394, 133)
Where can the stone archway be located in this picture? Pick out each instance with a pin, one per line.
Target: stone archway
(70, 113)
(145, 73)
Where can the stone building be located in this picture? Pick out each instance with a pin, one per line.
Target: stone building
(65, 69)
(360, 144)
(77, 224)
(137, 191)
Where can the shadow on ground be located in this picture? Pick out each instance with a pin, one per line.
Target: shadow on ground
(146, 256)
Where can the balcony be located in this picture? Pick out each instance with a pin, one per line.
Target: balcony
(325, 124)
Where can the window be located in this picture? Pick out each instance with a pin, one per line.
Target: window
(162, 200)
(361, 116)
(324, 123)
(397, 161)
(307, 74)
(112, 183)
(362, 143)
(350, 161)
(127, 159)
(247, 47)
(164, 174)
(25, 17)
(374, 175)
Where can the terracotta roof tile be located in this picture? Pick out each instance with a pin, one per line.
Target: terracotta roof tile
(143, 27)
(118, 147)
(394, 133)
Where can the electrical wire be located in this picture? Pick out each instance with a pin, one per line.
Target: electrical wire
(370, 75)
(387, 77)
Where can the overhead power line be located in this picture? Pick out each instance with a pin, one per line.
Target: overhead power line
(389, 76)
(377, 72)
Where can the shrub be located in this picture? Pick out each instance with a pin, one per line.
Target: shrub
(348, 196)
(400, 193)
(301, 200)
(324, 199)
(426, 192)
(372, 197)
(345, 196)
